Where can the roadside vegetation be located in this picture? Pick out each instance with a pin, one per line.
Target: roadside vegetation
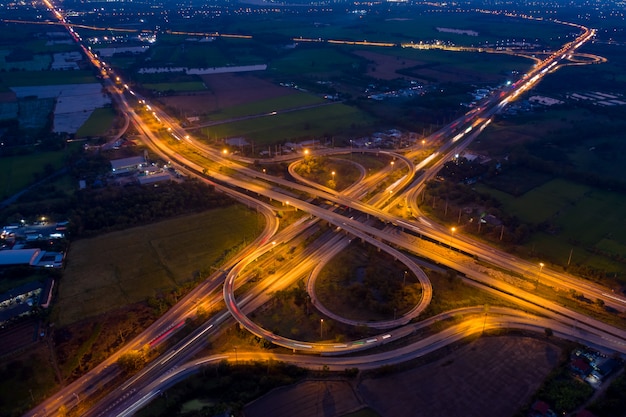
(224, 388)
(364, 284)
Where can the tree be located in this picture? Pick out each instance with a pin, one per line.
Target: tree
(132, 361)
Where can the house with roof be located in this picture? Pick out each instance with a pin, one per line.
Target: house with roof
(127, 165)
(580, 367)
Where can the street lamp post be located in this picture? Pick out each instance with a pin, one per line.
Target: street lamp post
(452, 230)
(541, 265)
(321, 328)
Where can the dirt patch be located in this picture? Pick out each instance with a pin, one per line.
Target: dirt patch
(309, 398)
(491, 376)
(225, 90)
(384, 67)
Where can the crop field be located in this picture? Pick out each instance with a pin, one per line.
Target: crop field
(18, 381)
(609, 76)
(292, 100)
(225, 91)
(584, 217)
(483, 66)
(34, 114)
(314, 60)
(8, 110)
(416, 27)
(490, 28)
(176, 87)
(587, 140)
(98, 123)
(298, 125)
(36, 62)
(19, 171)
(36, 78)
(111, 271)
(191, 55)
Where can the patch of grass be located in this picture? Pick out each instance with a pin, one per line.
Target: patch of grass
(84, 349)
(298, 125)
(37, 62)
(24, 375)
(334, 173)
(98, 124)
(225, 387)
(176, 87)
(120, 268)
(313, 60)
(450, 293)
(288, 101)
(363, 284)
(35, 114)
(567, 215)
(20, 171)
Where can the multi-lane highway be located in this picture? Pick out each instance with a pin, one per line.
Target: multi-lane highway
(255, 189)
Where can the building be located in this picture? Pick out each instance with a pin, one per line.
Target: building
(31, 257)
(127, 165)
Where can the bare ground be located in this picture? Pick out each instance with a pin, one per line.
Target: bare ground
(491, 376)
(306, 399)
(225, 90)
(384, 67)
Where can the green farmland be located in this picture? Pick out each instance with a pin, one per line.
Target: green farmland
(120, 268)
(98, 123)
(299, 125)
(287, 102)
(571, 217)
(181, 87)
(37, 62)
(21, 170)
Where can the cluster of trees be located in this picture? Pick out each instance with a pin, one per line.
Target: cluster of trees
(563, 391)
(116, 208)
(613, 403)
(225, 387)
(449, 200)
(462, 170)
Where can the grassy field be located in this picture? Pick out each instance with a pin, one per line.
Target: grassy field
(182, 87)
(299, 125)
(37, 62)
(290, 101)
(191, 55)
(18, 381)
(98, 123)
(583, 217)
(400, 27)
(362, 284)
(313, 61)
(19, 171)
(475, 62)
(117, 269)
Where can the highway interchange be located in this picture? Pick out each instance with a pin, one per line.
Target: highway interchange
(99, 393)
